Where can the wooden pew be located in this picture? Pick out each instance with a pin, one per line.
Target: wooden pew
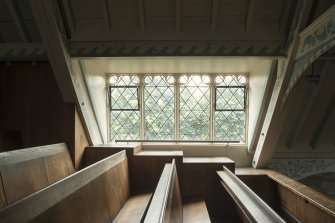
(250, 207)
(26, 171)
(166, 205)
(94, 194)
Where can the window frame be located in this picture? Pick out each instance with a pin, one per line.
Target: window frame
(176, 85)
(244, 98)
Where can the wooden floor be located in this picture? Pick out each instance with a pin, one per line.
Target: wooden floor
(195, 212)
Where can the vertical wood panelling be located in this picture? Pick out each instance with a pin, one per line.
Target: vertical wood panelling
(33, 107)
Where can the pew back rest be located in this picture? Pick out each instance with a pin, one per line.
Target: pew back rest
(26, 171)
(94, 194)
(166, 204)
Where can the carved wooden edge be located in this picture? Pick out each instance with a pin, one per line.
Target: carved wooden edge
(158, 205)
(16, 156)
(136, 148)
(255, 209)
(319, 200)
(32, 206)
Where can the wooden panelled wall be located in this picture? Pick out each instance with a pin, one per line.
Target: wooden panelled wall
(33, 113)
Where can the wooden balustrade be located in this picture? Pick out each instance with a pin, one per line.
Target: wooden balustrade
(250, 207)
(301, 203)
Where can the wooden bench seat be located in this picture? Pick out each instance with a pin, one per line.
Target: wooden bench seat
(134, 209)
(26, 171)
(250, 207)
(195, 211)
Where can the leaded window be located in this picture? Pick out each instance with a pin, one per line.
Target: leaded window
(124, 107)
(230, 103)
(178, 107)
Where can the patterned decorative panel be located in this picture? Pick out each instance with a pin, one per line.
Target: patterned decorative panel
(36, 51)
(24, 51)
(314, 41)
(298, 168)
(177, 48)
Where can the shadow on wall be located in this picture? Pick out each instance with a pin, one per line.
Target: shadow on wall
(322, 182)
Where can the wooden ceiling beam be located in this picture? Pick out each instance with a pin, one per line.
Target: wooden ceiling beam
(178, 16)
(15, 11)
(141, 14)
(284, 17)
(275, 117)
(2, 39)
(106, 14)
(70, 19)
(250, 15)
(264, 105)
(215, 13)
(70, 81)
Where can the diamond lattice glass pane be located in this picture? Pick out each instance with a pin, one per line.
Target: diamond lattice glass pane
(230, 98)
(194, 108)
(124, 98)
(124, 125)
(159, 107)
(230, 126)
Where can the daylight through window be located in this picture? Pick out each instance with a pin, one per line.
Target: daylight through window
(178, 107)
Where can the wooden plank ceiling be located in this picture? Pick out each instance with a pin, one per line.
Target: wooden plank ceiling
(240, 26)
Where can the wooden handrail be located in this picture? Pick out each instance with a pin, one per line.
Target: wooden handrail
(162, 201)
(32, 206)
(252, 206)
